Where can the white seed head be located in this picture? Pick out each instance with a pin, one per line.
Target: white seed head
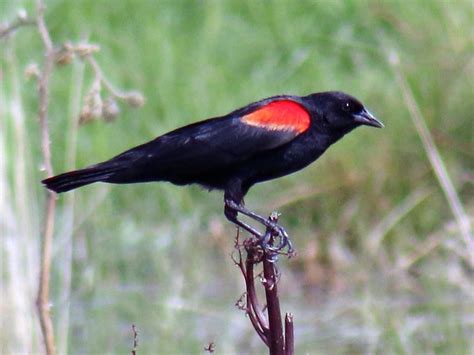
(135, 99)
(32, 71)
(110, 109)
(22, 15)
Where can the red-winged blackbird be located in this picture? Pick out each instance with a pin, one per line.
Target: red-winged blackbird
(261, 141)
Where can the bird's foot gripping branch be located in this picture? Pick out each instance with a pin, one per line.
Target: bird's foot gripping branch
(248, 254)
(275, 233)
(273, 241)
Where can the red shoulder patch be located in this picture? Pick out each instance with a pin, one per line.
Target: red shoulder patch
(280, 115)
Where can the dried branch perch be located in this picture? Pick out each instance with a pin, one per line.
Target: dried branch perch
(269, 328)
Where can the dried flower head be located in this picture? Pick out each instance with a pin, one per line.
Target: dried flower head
(85, 49)
(65, 55)
(85, 116)
(22, 15)
(64, 58)
(135, 99)
(110, 110)
(93, 106)
(96, 104)
(32, 71)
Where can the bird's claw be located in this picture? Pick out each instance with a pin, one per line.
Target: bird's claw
(276, 231)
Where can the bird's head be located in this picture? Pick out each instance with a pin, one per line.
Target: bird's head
(341, 112)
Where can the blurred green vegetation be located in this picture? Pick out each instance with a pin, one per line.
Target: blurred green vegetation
(381, 265)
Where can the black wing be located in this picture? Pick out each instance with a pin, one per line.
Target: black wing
(220, 142)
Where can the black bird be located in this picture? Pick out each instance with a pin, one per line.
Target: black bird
(264, 140)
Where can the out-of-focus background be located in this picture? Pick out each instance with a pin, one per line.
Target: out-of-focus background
(382, 266)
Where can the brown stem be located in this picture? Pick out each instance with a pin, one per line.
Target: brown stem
(273, 308)
(252, 294)
(252, 307)
(271, 331)
(98, 72)
(42, 301)
(135, 340)
(20, 22)
(289, 335)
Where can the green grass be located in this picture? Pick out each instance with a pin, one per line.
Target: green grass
(157, 255)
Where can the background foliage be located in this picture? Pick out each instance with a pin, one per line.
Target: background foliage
(381, 266)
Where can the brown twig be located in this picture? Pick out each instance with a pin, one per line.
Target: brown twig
(270, 282)
(19, 22)
(94, 106)
(135, 339)
(289, 335)
(251, 305)
(270, 328)
(98, 72)
(254, 310)
(42, 301)
(210, 348)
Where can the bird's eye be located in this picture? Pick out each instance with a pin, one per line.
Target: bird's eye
(347, 106)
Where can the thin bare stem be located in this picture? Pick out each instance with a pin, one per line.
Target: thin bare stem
(18, 23)
(289, 335)
(98, 72)
(42, 301)
(252, 306)
(252, 299)
(434, 157)
(43, 89)
(135, 339)
(277, 342)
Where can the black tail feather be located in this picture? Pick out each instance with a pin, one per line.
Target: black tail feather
(74, 179)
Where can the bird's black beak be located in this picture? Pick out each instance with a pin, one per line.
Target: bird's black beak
(364, 117)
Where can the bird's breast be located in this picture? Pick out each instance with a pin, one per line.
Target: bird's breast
(284, 160)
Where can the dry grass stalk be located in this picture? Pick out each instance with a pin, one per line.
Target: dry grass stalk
(435, 159)
(42, 301)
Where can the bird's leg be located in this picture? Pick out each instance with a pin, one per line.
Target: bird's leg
(266, 222)
(231, 215)
(232, 206)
